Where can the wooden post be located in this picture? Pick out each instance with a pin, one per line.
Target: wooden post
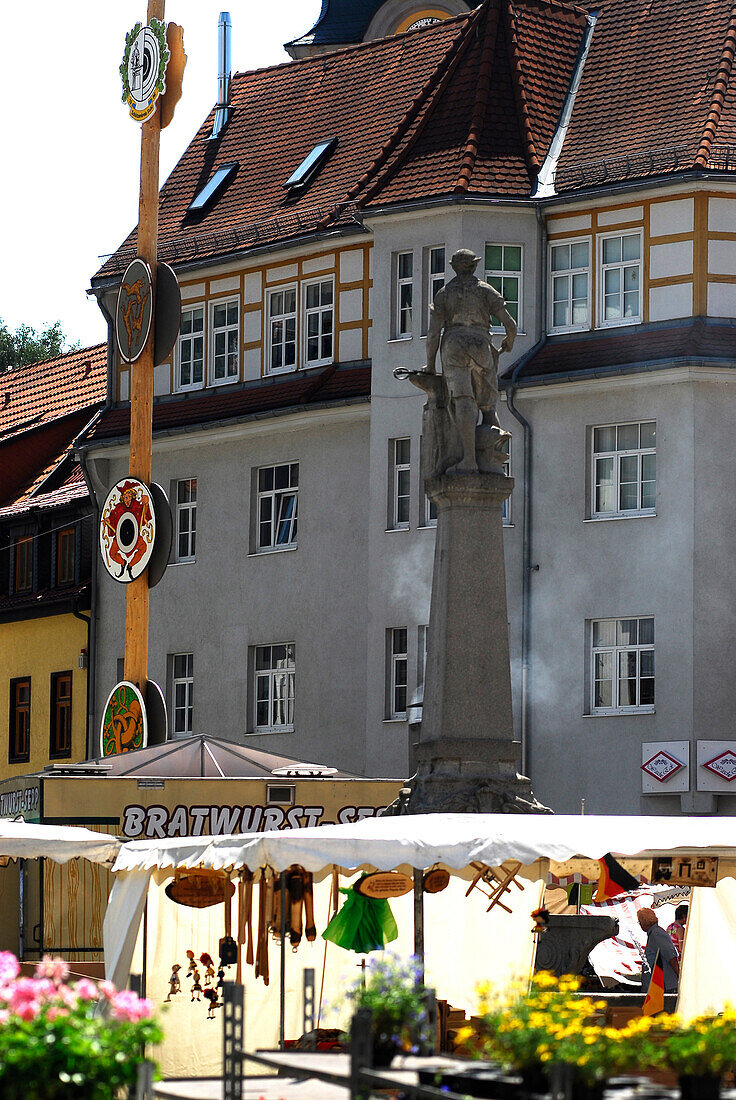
(141, 384)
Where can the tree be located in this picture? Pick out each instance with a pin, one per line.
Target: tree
(27, 345)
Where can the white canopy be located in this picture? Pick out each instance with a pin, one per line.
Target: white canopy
(425, 839)
(20, 840)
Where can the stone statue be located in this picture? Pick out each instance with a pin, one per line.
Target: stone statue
(460, 329)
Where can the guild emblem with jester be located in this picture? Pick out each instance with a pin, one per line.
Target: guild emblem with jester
(127, 530)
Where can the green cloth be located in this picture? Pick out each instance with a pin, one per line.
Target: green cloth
(363, 924)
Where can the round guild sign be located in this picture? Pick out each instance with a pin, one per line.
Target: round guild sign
(134, 310)
(124, 723)
(144, 68)
(127, 530)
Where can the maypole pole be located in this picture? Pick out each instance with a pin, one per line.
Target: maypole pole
(141, 383)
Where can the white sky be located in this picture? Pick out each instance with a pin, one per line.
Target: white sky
(71, 153)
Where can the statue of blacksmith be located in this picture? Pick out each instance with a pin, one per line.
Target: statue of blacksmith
(460, 329)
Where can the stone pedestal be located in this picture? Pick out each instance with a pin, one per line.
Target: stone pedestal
(466, 756)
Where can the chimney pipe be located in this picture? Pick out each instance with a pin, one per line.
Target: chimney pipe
(222, 112)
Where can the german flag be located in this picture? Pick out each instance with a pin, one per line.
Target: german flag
(613, 880)
(654, 1000)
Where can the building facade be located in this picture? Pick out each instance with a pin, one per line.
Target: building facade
(309, 239)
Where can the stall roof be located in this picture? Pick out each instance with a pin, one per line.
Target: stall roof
(453, 839)
(203, 757)
(20, 840)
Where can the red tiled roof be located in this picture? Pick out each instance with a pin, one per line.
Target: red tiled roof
(297, 391)
(35, 395)
(657, 91)
(48, 597)
(593, 352)
(57, 498)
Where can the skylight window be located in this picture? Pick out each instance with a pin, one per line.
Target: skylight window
(310, 164)
(214, 184)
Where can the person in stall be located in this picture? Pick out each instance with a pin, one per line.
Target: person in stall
(658, 943)
(676, 930)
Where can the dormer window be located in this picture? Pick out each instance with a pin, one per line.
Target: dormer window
(23, 565)
(310, 165)
(213, 187)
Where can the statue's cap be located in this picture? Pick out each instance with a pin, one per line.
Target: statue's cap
(465, 256)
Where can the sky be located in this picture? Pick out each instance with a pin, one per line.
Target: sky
(69, 173)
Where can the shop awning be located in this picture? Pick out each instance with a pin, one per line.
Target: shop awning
(20, 840)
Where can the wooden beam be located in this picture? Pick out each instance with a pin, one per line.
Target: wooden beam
(141, 384)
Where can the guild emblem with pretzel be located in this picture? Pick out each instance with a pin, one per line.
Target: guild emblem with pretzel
(134, 311)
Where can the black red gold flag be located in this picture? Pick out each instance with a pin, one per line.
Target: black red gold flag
(613, 880)
(654, 1000)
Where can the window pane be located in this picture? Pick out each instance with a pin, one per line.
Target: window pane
(219, 316)
(405, 265)
(580, 286)
(603, 696)
(399, 641)
(580, 311)
(612, 250)
(627, 679)
(631, 278)
(603, 666)
(646, 692)
(613, 281)
(326, 293)
(627, 437)
(561, 257)
(604, 439)
(646, 631)
(560, 314)
(626, 631)
(263, 656)
(512, 257)
(579, 254)
(437, 261)
(648, 433)
(494, 257)
(403, 447)
(604, 489)
(631, 245)
(604, 632)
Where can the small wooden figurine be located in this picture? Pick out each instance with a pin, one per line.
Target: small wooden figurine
(209, 968)
(192, 963)
(197, 984)
(174, 982)
(210, 995)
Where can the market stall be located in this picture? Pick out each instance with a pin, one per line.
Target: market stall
(456, 842)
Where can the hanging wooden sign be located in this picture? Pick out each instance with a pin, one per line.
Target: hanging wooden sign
(685, 870)
(134, 310)
(199, 889)
(436, 880)
(127, 530)
(384, 884)
(124, 723)
(143, 68)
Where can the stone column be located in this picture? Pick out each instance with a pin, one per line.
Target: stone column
(466, 756)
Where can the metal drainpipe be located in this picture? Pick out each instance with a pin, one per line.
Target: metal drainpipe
(526, 605)
(82, 455)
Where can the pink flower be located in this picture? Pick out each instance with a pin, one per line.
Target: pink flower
(86, 990)
(9, 967)
(54, 1013)
(54, 969)
(127, 1006)
(107, 989)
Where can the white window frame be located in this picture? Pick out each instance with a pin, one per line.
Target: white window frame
(188, 508)
(506, 505)
(277, 678)
(179, 387)
(185, 681)
(428, 520)
(227, 328)
(398, 663)
(307, 311)
(283, 318)
(397, 470)
(617, 322)
(276, 519)
(507, 273)
(617, 651)
(616, 457)
(570, 273)
(432, 281)
(403, 282)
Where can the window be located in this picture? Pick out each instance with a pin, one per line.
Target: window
(398, 666)
(570, 284)
(60, 740)
(621, 279)
(278, 490)
(65, 555)
(225, 337)
(24, 565)
(186, 519)
(623, 665)
(318, 322)
(503, 272)
(401, 483)
(436, 270)
(624, 473)
(214, 185)
(430, 513)
(190, 350)
(282, 330)
(274, 687)
(404, 292)
(506, 506)
(20, 721)
(311, 164)
(183, 693)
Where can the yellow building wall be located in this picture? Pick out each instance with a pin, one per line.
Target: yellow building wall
(37, 648)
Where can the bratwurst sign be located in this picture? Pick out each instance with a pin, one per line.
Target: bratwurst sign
(158, 822)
